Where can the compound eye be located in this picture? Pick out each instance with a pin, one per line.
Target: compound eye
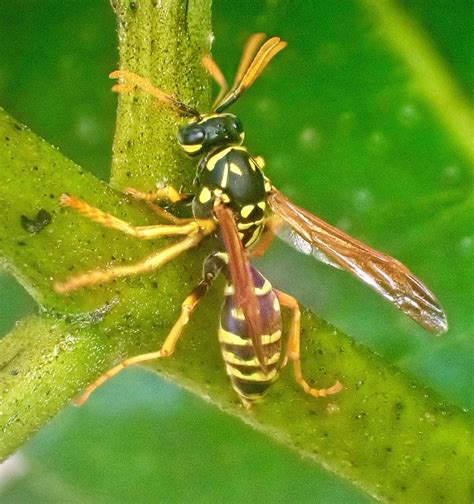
(195, 136)
(237, 125)
(190, 135)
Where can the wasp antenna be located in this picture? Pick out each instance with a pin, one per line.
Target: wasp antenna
(130, 80)
(248, 53)
(215, 72)
(250, 69)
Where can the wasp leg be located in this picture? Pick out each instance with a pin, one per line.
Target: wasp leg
(130, 81)
(141, 232)
(212, 267)
(164, 214)
(293, 350)
(167, 193)
(150, 263)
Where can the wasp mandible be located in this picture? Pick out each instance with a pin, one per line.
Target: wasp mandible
(236, 202)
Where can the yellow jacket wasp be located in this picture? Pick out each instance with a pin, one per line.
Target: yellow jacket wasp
(236, 202)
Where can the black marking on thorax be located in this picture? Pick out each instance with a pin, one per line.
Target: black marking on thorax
(233, 173)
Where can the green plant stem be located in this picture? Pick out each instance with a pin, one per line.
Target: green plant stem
(33, 175)
(165, 46)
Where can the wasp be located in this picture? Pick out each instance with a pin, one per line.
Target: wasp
(235, 202)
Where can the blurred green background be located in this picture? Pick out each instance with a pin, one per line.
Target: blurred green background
(347, 132)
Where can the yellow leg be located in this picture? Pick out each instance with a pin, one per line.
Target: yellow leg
(293, 350)
(150, 263)
(164, 214)
(141, 232)
(167, 193)
(171, 340)
(171, 195)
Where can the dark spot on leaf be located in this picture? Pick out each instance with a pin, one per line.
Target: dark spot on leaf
(133, 5)
(36, 224)
(14, 372)
(35, 168)
(21, 243)
(399, 406)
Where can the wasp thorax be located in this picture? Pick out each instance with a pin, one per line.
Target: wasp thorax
(210, 131)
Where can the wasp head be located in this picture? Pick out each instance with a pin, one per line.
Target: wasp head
(210, 131)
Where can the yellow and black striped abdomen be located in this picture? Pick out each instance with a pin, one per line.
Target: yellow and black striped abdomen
(243, 368)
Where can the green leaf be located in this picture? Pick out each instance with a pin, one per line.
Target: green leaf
(348, 120)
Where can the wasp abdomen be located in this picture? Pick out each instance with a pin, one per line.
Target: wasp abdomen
(242, 365)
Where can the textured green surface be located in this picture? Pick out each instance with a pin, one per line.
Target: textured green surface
(369, 154)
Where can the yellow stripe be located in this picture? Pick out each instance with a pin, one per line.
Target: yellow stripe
(255, 236)
(225, 175)
(223, 257)
(235, 169)
(231, 358)
(207, 117)
(237, 313)
(248, 225)
(276, 305)
(253, 164)
(264, 289)
(257, 376)
(211, 163)
(229, 290)
(270, 338)
(246, 210)
(232, 339)
(205, 195)
(239, 147)
(191, 148)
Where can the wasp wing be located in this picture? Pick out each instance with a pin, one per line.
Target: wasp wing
(286, 233)
(241, 278)
(384, 274)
